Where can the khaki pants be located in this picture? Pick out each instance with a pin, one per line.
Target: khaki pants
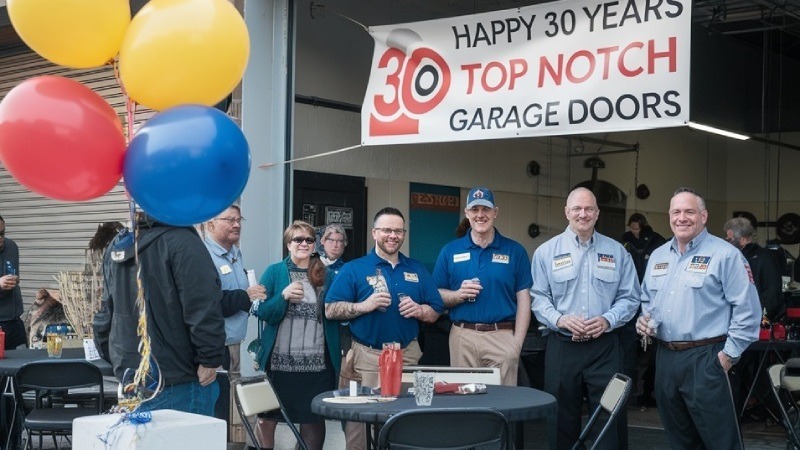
(363, 362)
(470, 348)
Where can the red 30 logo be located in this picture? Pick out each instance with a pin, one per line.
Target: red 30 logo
(419, 83)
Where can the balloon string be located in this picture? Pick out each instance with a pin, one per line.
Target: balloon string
(317, 6)
(130, 104)
(332, 152)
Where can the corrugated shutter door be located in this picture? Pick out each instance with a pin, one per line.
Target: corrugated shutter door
(52, 235)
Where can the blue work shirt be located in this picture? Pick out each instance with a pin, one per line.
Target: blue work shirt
(409, 276)
(590, 279)
(233, 276)
(502, 267)
(704, 293)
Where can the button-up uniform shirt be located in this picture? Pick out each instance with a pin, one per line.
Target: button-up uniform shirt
(706, 292)
(409, 276)
(233, 276)
(596, 278)
(502, 268)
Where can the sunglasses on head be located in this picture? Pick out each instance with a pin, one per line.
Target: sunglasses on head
(300, 239)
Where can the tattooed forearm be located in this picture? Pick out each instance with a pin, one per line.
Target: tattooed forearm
(341, 311)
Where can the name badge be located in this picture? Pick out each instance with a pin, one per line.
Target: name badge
(605, 261)
(698, 264)
(226, 269)
(460, 257)
(499, 258)
(412, 277)
(659, 270)
(562, 261)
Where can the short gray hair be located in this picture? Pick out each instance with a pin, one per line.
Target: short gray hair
(741, 228)
(334, 228)
(689, 190)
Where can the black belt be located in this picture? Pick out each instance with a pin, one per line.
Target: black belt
(486, 326)
(359, 341)
(685, 345)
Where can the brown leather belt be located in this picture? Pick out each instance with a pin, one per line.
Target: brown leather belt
(486, 326)
(685, 345)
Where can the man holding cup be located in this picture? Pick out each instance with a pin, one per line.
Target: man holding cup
(701, 305)
(10, 294)
(484, 279)
(366, 292)
(584, 287)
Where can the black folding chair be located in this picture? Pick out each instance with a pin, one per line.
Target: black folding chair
(49, 380)
(613, 400)
(255, 397)
(445, 429)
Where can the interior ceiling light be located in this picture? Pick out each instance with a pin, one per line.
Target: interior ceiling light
(710, 129)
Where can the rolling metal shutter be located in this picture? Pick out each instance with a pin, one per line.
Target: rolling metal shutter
(52, 235)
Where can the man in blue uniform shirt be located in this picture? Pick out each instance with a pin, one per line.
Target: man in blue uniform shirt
(584, 286)
(484, 279)
(367, 293)
(700, 303)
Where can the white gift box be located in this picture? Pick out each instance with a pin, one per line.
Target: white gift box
(167, 429)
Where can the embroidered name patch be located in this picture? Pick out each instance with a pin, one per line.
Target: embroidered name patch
(459, 257)
(561, 261)
(659, 269)
(698, 264)
(412, 277)
(499, 258)
(605, 261)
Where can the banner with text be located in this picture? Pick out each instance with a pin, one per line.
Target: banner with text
(568, 67)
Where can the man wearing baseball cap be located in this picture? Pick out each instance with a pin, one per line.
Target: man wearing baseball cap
(484, 279)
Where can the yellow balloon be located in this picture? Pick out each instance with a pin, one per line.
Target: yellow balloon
(183, 51)
(72, 33)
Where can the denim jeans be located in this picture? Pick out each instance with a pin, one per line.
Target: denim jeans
(187, 397)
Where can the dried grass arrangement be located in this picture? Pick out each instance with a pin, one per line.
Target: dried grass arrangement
(81, 293)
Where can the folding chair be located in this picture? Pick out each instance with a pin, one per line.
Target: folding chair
(613, 400)
(445, 429)
(790, 414)
(255, 397)
(46, 378)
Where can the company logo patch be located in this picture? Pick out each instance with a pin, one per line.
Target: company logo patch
(499, 258)
(412, 277)
(605, 261)
(698, 264)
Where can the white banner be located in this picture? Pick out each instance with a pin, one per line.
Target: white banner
(568, 67)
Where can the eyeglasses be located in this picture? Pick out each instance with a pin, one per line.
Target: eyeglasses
(301, 239)
(397, 231)
(335, 241)
(3, 233)
(231, 220)
(588, 210)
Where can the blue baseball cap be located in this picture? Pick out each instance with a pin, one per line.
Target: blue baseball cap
(480, 196)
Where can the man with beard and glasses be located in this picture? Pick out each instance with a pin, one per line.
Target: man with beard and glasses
(365, 292)
(700, 303)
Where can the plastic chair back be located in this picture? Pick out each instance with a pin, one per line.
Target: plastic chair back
(445, 429)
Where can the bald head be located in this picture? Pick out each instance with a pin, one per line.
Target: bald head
(582, 212)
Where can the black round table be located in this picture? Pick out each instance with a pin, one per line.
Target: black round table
(15, 359)
(516, 403)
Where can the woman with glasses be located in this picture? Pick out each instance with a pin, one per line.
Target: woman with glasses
(302, 347)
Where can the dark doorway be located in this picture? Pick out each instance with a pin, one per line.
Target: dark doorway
(322, 198)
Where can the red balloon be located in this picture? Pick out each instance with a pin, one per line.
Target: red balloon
(60, 139)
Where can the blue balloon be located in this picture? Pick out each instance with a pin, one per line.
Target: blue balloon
(187, 164)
